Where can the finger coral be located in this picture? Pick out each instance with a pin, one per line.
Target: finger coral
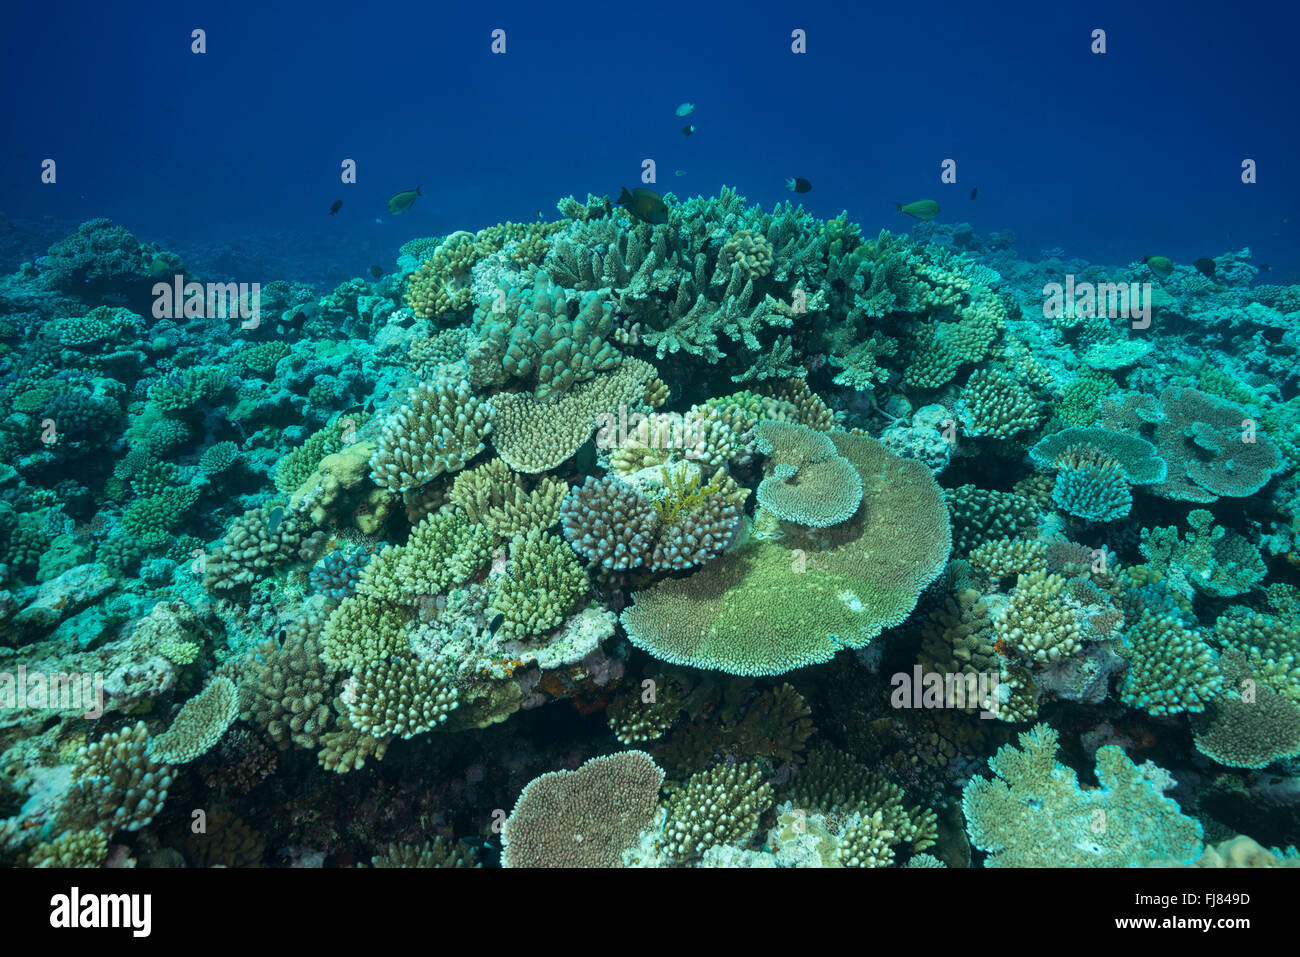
(440, 427)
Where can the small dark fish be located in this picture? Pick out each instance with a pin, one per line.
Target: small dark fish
(496, 623)
(1264, 267)
(798, 184)
(376, 271)
(1205, 267)
(402, 201)
(688, 129)
(336, 206)
(645, 205)
(974, 192)
(539, 214)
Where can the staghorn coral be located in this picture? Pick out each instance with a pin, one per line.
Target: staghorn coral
(1212, 559)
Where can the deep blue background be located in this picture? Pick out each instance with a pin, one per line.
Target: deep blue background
(1109, 157)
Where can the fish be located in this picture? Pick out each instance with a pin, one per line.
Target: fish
(1205, 267)
(686, 109)
(645, 205)
(336, 206)
(797, 184)
(1264, 267)
(376, 271)
(679, 172)
(974, 192)
(496, 623)
(925, 209)
(1162, 266)
(402, 201)
(688, 129)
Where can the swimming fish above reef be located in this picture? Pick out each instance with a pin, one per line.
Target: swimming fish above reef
(496, 623)
(679, 172)
(336, 206)
(974, 192)
(1205, 267)
(376, 271)
(797, 184)
(402, 201)
(644, 204)
(1162, 266)
(688, 129)
(925, 209)
(685, 109)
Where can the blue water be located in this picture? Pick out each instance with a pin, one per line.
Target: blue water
(199, 504)
(1109, 157)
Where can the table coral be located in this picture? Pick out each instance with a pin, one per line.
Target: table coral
(767, 608)
(583, 818)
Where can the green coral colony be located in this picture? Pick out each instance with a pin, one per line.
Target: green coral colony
(740, 539)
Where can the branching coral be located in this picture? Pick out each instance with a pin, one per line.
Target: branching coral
(1171, 668)
(1034, 814)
